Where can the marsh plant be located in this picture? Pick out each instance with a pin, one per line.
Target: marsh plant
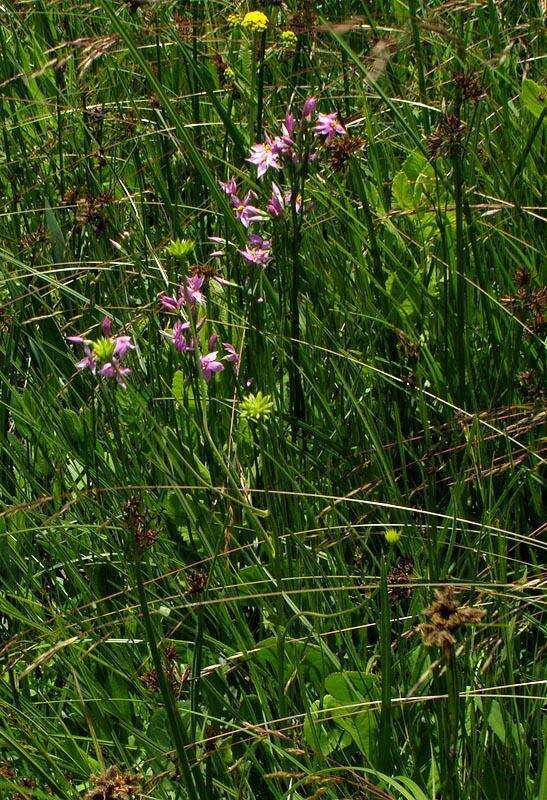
(272, 319)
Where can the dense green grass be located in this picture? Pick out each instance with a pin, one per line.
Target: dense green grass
(226, 607)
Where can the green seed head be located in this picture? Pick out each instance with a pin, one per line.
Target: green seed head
(179, 248)
(256, 406)
(392, 536)
(103, 349)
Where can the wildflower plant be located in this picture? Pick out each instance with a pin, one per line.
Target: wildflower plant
(316, 237)
(104, 356)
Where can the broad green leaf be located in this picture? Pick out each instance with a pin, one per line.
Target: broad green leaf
(533, 97)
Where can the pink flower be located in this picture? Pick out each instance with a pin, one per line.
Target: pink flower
(89, 361)
(257, 251)
(308, 108)
(289, 125)
(189, 293)
(178, 337)
(229, 186)
(107, 351)
(192, 290)
(330, 126)
(210, 365)
(171, 303)
(276, 203)
(265, 155)
(231, 355)
(244, 211)
(122, 345)
(113, 369)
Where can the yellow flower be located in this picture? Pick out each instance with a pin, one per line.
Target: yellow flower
(392, 536)
(288, 39)
(255, 21)
(233, 20)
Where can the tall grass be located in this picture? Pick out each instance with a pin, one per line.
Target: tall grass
(199, 599)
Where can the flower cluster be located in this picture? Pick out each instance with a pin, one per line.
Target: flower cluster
(105, 355)
(255, 21)
(294, 146)
(184, 332)
(288, 39)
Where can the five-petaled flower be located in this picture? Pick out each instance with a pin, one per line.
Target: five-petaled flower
(257, 251)
(244, 210)
(210, 364)
(329, 125)
(266, 154)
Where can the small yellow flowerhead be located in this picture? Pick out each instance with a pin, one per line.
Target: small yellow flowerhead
(233, 20)
(255, 21)
(103, 349)
(392, 536)
(288, 39)
(180, 247)
(256, 406)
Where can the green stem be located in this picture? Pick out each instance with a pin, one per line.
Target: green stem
(194, 783)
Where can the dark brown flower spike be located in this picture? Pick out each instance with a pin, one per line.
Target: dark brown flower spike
(446, 617)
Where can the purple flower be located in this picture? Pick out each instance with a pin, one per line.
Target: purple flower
(231, 355)
(213, 339)
(276, 203)
(122, 345)
(229, 186)
(190, 293)
(178, 337)
(244, 211)
(257, 251)
(171, 303)
(89, 361)
(210, 365)
(265, 155)
(308, 108)
(107, 351)
(330, 126)
(113, 369)
(289, 124)
(192, 289)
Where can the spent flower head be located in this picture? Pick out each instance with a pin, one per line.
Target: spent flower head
(446, 616)
(256, 406)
